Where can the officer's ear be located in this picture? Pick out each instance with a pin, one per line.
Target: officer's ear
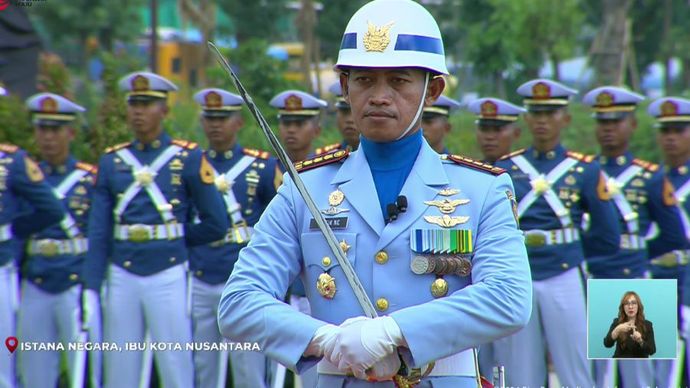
(433, 91)
(164, 107)
(343, 85)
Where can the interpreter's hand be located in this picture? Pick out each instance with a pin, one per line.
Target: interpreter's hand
(323, 342)
(636, 336)
(362, 342)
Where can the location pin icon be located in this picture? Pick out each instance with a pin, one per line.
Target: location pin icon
(11, 343)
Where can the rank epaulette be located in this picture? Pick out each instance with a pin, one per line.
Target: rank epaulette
(257, 153)
(477, 165)
(117, 147)
(321, 160)
(580, 156)
(9, 148)
(87, 167)
(653, 167)
(190, 145)
(327, 148)
(514, 153)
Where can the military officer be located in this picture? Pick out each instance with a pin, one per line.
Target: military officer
(394, 205)
(346, 125)
(298, 121)
(247, 180)
(21, 181)
(139, 230)
(497, 127)
(642, 195)
(435, 123)
(51, 271)
(554, 187)
(672, 115)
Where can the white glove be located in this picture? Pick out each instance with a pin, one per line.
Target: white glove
(685, 321)
(323, 341)
(90, 306)
(384, 369)
(362, 342)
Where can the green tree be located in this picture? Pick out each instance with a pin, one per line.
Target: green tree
(254, 19)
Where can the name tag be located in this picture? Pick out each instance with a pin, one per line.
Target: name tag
(333, 222)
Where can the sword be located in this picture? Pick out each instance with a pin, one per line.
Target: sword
(333, 244)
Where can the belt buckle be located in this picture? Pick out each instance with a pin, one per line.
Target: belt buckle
(535, 240)
(138, 233)
(48, 248)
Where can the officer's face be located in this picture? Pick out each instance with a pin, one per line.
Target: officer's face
(615, 134)
(146, 117)
(346, 125)
(435, 128)
(222, 131)
(298, 135)
(53, 141)
(384, 101)
(675, 141)
(547, 125)
(495, 141)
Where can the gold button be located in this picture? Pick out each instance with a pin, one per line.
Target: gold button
(382, 257)
(626, 271)
(199, 273)
(38, 280)
(127, 264)
(172, 259)
(565, 266)
(439, 288)
(344, 246)
(73, 277)
(326, 261)
(382, 304)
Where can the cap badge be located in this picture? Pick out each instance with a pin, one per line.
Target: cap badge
(377, 38)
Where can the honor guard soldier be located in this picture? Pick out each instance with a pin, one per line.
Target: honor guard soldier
(21, 183)
(139, 230)
(435, 122)
(298, 121)
(672, 115)
(497, 127)
(247, 179)
(346, 125)
(554, 187)
(642, 196)
(54, 257)
(432, 238)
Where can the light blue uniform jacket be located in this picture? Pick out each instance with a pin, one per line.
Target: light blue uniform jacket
(494, 301)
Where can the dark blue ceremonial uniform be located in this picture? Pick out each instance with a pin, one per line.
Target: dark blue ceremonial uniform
(678, 177)
(650, 195)
(183, 184)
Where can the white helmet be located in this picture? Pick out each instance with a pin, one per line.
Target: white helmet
(392, 33)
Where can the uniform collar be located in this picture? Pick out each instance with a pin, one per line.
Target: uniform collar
(161, 142)
(683, 170)
(392, 155)
(622, 160)
(227, 155)
(62, 169)
(557, 153)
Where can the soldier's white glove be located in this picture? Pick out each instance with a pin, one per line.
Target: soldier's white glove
(363, 342)
(323, 341)
(685, 322)
(90, 306)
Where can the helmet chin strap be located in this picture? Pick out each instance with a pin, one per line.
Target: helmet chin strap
(419, 110)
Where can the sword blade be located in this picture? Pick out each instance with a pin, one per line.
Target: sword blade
(325, 229)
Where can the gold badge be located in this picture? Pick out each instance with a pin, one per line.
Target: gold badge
(570, 180)
(637, 183)
(176, 164)
(49, 105)
(669, 108)
(540, 184)
(176, 179)
(336, 198)
(344, 246)
(377, 38)
(604, 99)
(80, 190)
(447, 206)
(513, 204)
(206, 171)
(143, 176)
(446, 221)
(439, 288)
(574, 196)
(447, 192)
(326, 285)
(32, 171)
(213, 100)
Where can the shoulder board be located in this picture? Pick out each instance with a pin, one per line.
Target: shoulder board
(9, 148)
(87, 167)
(256, 153)
(327, 148)
(190, 145)
(653, 167)
(321, 160)
(514, 153)
(580, 156)
(477, 165)
(117, 147)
